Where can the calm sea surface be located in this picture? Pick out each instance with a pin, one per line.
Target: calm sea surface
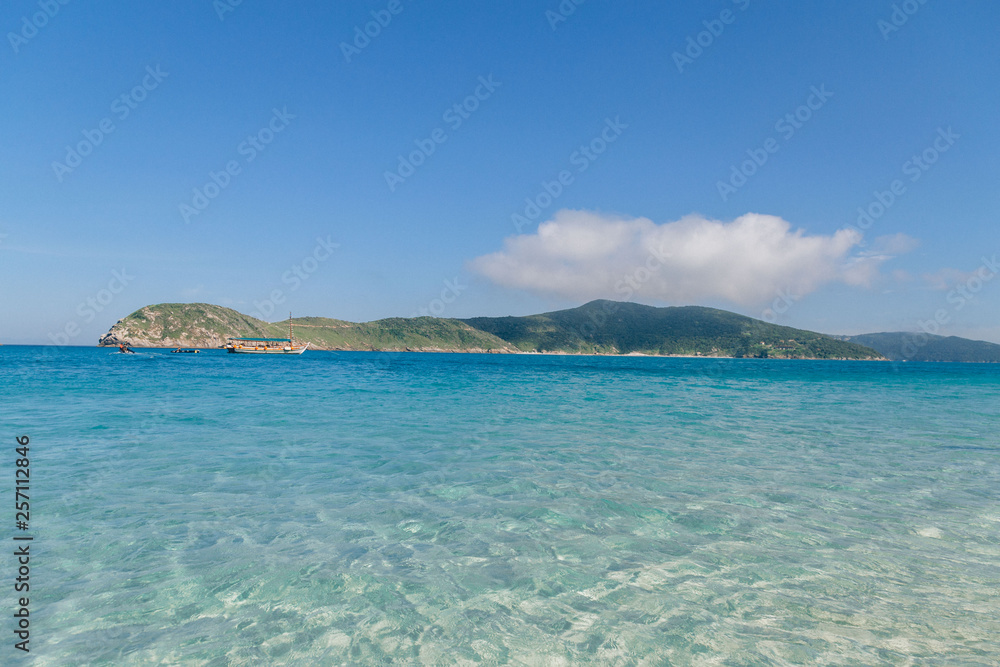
(369, 508)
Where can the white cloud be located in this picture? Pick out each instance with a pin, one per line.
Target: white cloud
(887, 247)
(585, 255)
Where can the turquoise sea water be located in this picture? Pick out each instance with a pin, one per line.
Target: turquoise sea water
(367, 508)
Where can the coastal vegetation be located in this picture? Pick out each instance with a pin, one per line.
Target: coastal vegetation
(598, 327)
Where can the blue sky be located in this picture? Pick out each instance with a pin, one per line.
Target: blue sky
(313, 219)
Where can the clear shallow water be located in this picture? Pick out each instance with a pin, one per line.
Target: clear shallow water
(366, 508)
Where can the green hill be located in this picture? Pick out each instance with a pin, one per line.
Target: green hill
(612, 327)
(601, 327)
(903, 346)
(183, 325)
(430, 334)
(204, 325)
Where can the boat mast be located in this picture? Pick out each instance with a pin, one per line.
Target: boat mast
(291, 341)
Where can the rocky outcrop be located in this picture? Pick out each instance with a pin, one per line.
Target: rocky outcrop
(110, 339)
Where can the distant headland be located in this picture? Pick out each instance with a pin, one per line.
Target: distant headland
(598, 327)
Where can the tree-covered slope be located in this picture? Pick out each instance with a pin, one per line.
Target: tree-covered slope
(611, 327)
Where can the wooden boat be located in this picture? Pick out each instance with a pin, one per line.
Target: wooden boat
(266, 345)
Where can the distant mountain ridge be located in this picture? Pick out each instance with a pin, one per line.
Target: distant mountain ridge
(905, 346)
(598, 327)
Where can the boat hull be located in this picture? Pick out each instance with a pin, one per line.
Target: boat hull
(266, 350)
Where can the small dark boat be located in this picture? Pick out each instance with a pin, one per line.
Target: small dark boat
(181, 351)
